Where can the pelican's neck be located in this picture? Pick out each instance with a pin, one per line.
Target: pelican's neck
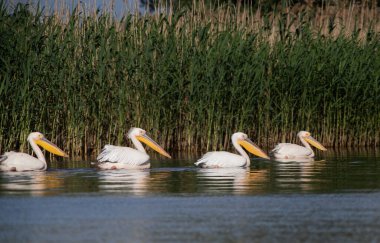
(307, 145)
(37, 150)
(137, 144)
(241, 151)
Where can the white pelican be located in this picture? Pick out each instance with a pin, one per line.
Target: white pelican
(15, 161)
(222, 159)
(294, 151)
(117, 157)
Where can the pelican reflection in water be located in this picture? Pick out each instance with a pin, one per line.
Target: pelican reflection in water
(299, 173)
(134, 181)
(238, 180)
(35, 183)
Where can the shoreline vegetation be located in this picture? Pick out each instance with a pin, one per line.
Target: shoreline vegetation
(191, 77)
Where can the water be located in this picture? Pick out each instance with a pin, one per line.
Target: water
(334, 198)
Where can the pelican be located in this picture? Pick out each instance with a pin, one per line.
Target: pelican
(222, 159)
(294, 151)
(117, 157)
(15, 161)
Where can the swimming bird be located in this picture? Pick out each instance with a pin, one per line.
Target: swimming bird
(16, 161)
(293, 151)
(223, 159)
(117, 157)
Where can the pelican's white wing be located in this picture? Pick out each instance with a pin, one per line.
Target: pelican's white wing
(122, 155)
(290, 151)
(15, 161)
(221, 159)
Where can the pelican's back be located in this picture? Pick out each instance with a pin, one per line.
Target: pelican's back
(290, 150)
(123, 155)
(221, 159)
(16, 161)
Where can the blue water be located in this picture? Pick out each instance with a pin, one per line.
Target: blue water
(327, 217)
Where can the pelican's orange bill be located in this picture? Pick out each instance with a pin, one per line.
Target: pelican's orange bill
(51, 147)
(315, 143)
(253, 148)
(148, 141)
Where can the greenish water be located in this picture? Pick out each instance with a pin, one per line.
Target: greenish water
(333, 198)
(333, 172)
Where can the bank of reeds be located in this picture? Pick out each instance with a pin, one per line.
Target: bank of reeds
(190, 78)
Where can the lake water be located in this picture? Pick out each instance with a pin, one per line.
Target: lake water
(336, 197)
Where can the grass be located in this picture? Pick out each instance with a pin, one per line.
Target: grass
(190, 78)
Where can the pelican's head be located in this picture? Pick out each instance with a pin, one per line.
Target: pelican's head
(141, 135)
(312, 141)
(40, 140)
(243, 140)
(135, 131)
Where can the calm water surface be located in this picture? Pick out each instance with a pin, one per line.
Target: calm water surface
(336, 197)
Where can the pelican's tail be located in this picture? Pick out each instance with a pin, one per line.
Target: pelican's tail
(97, 165)
(199, 163)
(3, 158)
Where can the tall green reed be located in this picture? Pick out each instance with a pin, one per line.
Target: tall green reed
(190, 79)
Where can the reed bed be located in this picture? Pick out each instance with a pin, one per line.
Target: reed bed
(190, 77)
